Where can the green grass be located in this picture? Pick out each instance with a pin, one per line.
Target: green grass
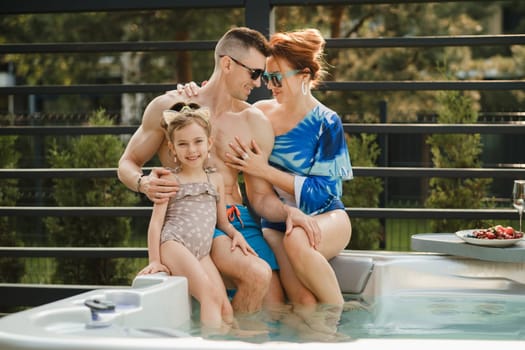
(399, 231)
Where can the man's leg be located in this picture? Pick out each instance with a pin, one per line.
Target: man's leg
(275, 295)
(250, 274)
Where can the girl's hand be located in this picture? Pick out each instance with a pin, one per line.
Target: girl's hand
(252, 160)
(154, 267)
(239, 241)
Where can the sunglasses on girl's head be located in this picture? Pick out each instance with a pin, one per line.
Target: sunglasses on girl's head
(254, 73)
(277, 78)
(177, 107)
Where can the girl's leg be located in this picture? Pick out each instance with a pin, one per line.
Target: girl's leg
(311, 266)
(219, 288)
(182, 262)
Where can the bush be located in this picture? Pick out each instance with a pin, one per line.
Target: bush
(364, 192)
(93, 151)
(456, 151)
(11, 269)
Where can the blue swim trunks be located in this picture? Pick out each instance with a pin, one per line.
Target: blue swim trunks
(242, 220)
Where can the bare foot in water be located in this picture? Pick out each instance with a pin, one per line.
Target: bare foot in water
(251, 326)
(355, 305)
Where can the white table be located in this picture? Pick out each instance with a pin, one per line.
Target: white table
(449, 243)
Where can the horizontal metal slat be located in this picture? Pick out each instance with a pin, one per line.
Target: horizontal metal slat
(422, 85)
(417, 213)
(209, 45)
(53, 6)
(94, 89)
(97, 47)
(68, 130)
(426, 41)
(440, 172)
(76, 252)
(508, 172)
(390, 128)
(395, 213)
(76, 211)
(109, 89)
(383, 128)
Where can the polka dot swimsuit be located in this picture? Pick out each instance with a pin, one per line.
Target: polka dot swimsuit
(191, 217)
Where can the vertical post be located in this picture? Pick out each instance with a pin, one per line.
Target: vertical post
(38, 161)
(259, 15)
(7, 78)
(383, 161)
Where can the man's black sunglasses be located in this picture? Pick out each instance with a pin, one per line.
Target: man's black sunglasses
(254, 73)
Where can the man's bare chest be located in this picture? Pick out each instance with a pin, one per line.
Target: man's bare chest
(224, 134)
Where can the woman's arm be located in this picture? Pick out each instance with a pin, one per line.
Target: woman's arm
(310, 192)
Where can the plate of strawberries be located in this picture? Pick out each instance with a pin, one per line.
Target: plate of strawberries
(495, 236)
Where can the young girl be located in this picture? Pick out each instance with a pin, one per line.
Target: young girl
(180, 231)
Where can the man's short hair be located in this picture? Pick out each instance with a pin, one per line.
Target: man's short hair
(241, 39)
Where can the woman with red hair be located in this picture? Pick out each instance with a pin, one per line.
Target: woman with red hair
(307, 165)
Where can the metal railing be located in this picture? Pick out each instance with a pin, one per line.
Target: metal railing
(258, 15)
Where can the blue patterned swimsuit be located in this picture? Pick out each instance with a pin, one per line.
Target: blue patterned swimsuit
(315, 152)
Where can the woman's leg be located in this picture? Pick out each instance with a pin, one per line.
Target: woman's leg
(296, 292)
(202, 285)
(311, 266)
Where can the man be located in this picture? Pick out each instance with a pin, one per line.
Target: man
(240, 57)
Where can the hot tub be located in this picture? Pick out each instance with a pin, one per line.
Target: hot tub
(413, 300)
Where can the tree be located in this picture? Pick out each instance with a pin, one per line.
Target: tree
(11, 269)
(408, 64)
(114, 67)
(98, 151)
(456, 151)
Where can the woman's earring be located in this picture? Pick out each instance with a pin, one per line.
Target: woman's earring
(304, 88)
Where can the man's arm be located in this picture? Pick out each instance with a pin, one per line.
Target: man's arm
(142, 146)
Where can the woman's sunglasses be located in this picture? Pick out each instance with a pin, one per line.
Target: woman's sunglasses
(254, 73)
(277, 78)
